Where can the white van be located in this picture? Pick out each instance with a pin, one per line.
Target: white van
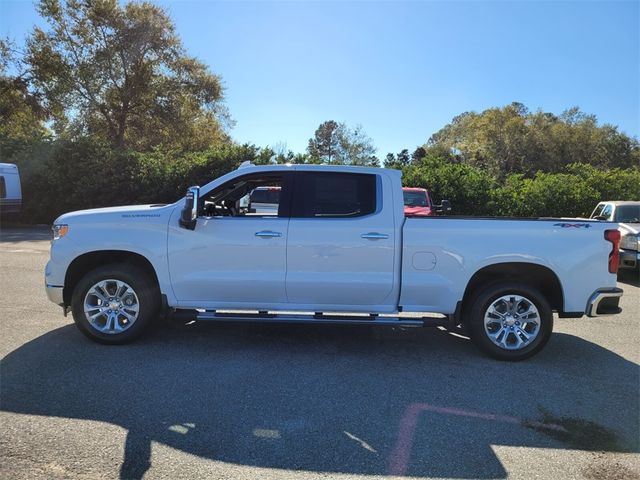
(10, 191)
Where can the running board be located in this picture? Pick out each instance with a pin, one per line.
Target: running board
(322, 318)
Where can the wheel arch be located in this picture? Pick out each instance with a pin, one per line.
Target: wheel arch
(536, 275)
(90, 260)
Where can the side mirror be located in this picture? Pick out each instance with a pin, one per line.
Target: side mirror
(444, 208)
(189, 214)
(600, 217)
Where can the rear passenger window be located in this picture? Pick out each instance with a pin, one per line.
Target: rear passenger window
(334, 195)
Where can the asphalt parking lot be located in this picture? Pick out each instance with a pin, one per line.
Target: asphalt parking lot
(252, 401)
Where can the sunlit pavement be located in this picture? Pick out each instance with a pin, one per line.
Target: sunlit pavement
(256, 401)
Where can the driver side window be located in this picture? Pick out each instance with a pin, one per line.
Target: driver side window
(253, 195)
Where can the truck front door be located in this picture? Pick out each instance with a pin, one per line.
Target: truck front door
(233, 257)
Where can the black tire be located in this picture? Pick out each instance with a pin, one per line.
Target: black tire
(480, 303)
(145, 289)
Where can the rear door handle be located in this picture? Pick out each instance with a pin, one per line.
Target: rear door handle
(268, 234)
(374, 236)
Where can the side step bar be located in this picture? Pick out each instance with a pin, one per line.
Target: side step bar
(318, 318)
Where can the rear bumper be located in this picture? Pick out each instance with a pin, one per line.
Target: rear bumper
(604, 301)
(629, 259)
(54, 294)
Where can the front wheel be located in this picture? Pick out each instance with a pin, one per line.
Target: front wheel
(114, 304)
(510, 321)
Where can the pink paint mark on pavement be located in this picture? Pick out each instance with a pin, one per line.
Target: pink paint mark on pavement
(399, 458)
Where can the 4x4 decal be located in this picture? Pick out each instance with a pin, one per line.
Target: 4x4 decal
(572, 225)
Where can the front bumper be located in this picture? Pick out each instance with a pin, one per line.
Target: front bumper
(629, 258)
(54, 294)
(604, 301)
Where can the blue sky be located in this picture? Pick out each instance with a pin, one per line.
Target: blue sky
(403, 69)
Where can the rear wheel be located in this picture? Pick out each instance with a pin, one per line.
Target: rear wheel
(114, 304)
(510, 321)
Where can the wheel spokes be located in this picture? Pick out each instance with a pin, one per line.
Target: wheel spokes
(129, 317)
(99, 294)
(522, 333)
(116, 323)
(121, 288)
(512, 322)
(111, 306)
(93, 317)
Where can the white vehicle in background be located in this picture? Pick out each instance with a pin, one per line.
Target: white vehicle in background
(627, 214)
(337, 249)
(10, 190)
(265, 200)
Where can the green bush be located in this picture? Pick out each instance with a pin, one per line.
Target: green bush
(467, 188)
(571, 194)
(546, 195)
(61, 176)
(472, 191)
(74, 175)
(613, 184)
(78, 175)
(164, 177)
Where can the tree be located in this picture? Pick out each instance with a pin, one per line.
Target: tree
(21, 114)
(398, 161)
(336, 143)
(512, 139)
(325, 143)
(418, 154)
(356, 147)
(403, 157)
(120, 73)
(390, 161)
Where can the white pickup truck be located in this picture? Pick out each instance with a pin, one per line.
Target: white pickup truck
(338, 242)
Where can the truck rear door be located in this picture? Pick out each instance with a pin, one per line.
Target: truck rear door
(341, 241)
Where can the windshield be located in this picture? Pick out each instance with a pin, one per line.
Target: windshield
(415, 199)
(628, 214)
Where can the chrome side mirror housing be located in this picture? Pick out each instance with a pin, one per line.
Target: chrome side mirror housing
(189, 214)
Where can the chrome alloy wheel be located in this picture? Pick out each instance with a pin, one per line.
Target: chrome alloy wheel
(111, 306)
(512, 322)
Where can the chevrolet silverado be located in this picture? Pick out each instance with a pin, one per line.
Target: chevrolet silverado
(337, 250)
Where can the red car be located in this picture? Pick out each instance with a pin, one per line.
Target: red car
(417, 202)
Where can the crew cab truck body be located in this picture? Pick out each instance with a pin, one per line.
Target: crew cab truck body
(339, 242)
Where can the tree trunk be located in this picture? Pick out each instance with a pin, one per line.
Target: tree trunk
(122, 126)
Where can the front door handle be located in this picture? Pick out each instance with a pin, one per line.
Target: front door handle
(374, 236)
(268, 234)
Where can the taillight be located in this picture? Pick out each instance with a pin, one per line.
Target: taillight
(613, 236)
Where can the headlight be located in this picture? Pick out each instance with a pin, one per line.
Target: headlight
(630, 242)
(59, 231)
